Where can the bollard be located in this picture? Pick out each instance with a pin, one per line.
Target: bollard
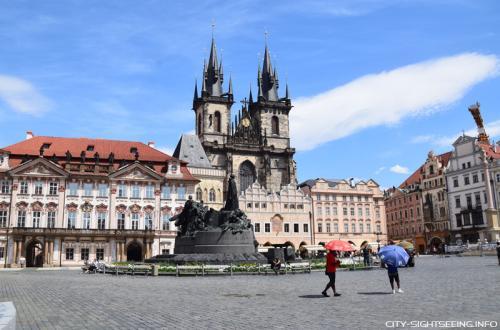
(156, 269)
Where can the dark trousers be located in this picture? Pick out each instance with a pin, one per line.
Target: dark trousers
(392, 277)
(331, 283)
(366, 260)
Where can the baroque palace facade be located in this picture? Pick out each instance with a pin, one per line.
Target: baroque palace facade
(346, 211)
(65, 200)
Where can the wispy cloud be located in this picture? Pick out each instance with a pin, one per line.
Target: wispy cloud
(387, 97)
(422, 138)
(399, 169)
(445, 141)
(380, 170)
(21, 96)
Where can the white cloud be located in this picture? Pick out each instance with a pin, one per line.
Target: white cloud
(22, 96)
(492, 129)
(422, 138)
(399, 169)
(387, 97)
(380, 169)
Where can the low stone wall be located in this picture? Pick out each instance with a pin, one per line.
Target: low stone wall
(7, 316)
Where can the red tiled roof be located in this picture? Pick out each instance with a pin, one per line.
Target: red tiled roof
(416, 176)
(121, 150)
(59, 146)
(445, 158)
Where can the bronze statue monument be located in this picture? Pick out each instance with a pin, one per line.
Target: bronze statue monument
(213, 236)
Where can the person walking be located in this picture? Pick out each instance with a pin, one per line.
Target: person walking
(498, 252)
(366, 256)
(331, 267)
(392, 271)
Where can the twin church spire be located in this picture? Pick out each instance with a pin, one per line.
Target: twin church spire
(213, 79)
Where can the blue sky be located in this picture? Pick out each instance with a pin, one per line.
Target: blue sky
(375, 84)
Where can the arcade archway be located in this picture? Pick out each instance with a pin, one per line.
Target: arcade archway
(134, 252)
(34, 254)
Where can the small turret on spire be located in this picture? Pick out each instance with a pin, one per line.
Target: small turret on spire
(268, 82)
(195, 90)
(195, 96)
(230, 89)
(213, 76)
(250, 97)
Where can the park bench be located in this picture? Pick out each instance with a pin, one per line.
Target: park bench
(203, 269)
(215, 269)
(298, 267)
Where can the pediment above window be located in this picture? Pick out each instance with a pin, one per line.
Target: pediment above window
(136, 172)
(40, 167)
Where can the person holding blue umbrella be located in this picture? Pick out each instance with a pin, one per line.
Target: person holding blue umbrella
(393, 256)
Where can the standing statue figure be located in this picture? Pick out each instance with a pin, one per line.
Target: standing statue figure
(232, 195)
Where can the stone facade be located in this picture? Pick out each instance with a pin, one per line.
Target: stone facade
(467, 196)
(350, 212)
(404, 214)
(211, 186)
(279, 218)
(64, 209)
(435, 200)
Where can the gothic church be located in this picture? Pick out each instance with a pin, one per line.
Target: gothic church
(255, 146)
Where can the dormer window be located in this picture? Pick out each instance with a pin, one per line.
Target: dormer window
(90, 148)
(46, 145)
(133, 150)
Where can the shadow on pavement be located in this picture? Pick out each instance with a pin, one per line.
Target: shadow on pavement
(369, 293)
(312, 296)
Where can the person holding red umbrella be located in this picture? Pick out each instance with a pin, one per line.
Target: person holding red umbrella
(331, 267)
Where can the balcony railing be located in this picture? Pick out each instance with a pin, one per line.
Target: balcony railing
(81, 232)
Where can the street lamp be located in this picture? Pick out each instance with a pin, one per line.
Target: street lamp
(378, 233)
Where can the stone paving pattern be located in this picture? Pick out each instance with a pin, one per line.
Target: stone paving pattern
(454, 288)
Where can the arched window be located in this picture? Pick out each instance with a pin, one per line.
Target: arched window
(211, 195)
(199, 124)
(247, 175)
(217, 121)
(275, 125)
(199, 194)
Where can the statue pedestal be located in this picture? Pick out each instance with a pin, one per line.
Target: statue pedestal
(216, 241)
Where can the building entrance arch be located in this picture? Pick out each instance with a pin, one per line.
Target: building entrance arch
(134, 252)
(34, 254)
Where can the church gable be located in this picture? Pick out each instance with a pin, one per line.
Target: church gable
(39, 167)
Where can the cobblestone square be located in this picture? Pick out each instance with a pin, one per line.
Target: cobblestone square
(453, 288)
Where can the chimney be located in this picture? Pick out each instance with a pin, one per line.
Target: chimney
(151, 144)
(29, 135)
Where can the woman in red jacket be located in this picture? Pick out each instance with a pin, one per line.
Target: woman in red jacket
(331, 267)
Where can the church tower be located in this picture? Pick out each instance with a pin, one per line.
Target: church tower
(271, 111)
(213, 106)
